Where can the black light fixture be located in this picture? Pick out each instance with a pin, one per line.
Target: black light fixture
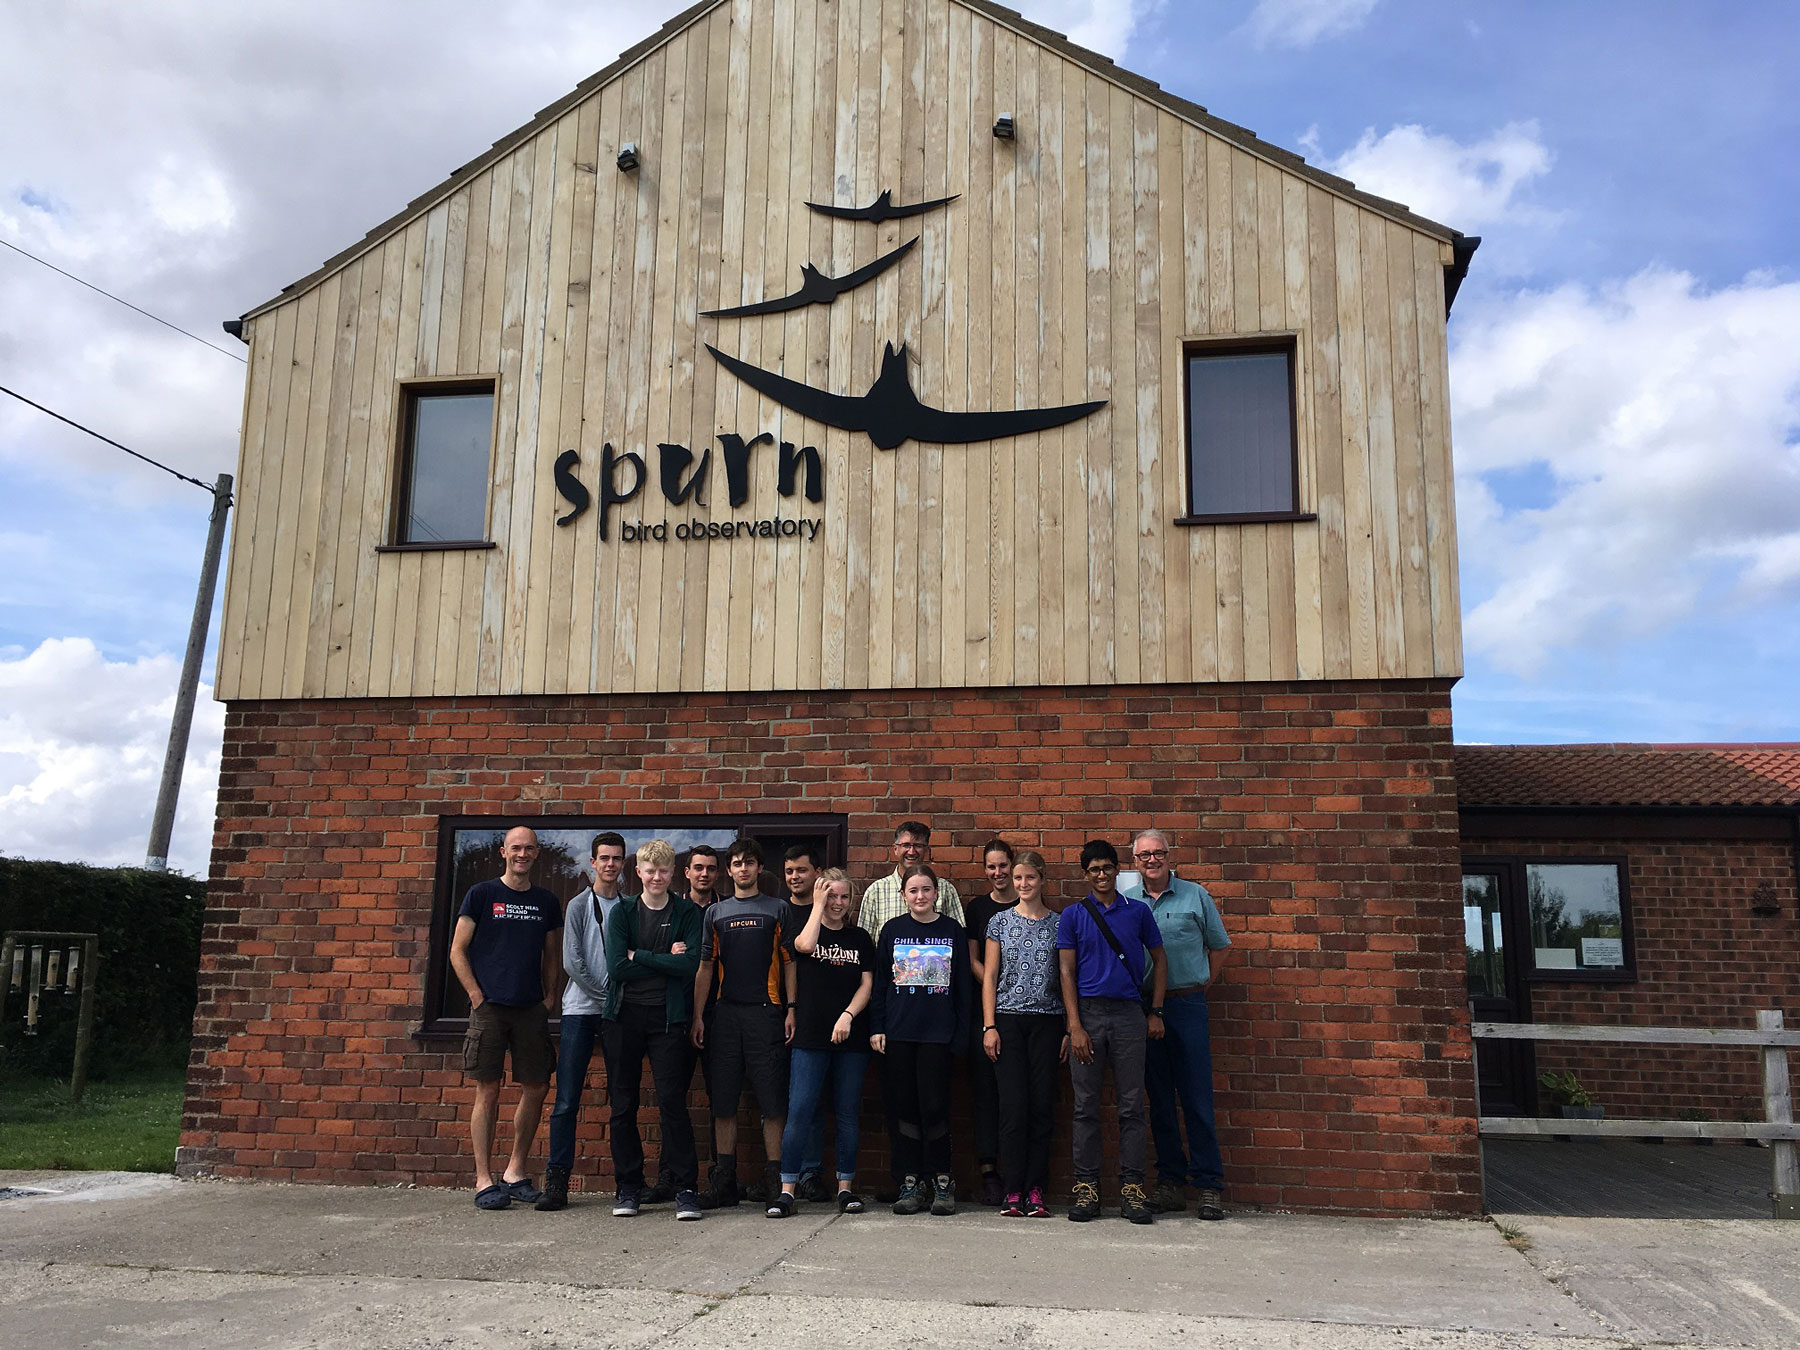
(1003, 128)
(628, 157)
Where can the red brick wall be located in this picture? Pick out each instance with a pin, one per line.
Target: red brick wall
(1704, 959)
(1324, 815)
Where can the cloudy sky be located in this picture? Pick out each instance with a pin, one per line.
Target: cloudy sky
(1625, 355)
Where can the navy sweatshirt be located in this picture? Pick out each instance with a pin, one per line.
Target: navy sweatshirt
(922, 984)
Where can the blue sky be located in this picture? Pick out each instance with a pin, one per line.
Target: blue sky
(1625, 353)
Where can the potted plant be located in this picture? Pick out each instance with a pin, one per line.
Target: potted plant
(1566, 1091)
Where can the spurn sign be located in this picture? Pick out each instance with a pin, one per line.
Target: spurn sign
(623, 474)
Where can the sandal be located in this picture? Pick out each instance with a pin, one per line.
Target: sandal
(497, 1196)
(849, 1202)
(523, 1191)
(781, 1206)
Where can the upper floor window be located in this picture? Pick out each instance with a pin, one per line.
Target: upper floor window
(445, 455)
(1241, 432)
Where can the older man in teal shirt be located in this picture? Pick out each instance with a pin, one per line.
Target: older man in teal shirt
(1178, 1068)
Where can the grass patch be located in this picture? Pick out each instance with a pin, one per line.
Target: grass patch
(1516, 1238)
(128, 1124)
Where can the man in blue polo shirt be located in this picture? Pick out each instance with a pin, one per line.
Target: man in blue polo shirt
(1178, 1074)
(1105, 946)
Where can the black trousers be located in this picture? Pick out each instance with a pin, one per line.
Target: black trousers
(1030, 1050)
(638, 1034)
(917, 1087)
(984, 1099)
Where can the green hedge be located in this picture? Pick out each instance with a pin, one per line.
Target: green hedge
(149, 927)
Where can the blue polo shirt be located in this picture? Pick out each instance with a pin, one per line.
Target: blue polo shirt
(1191, 927)
(1099, 973)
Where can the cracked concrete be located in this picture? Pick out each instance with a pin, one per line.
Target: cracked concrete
(106, 1259)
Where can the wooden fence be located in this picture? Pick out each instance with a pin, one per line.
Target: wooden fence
(1777, 1125)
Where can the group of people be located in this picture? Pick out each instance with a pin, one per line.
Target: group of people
(795, 999)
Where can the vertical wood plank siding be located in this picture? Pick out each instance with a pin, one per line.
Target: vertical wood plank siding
(1075, 263)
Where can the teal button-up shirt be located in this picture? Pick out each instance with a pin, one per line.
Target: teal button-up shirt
(1191, 927)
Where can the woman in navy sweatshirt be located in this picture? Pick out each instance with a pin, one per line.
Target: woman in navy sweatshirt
(918, 1020)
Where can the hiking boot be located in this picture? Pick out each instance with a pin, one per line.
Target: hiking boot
(912, 1197)
(721, 1187)
(1013, 1207)
(659, 1194)
(1134, 1204)
(1168, 1198)
(944, 1202)
(625, 1202)
(1212, 1204)
(813, 1187)
(687, 1206)
(992, 1192)
(1087, 1202)
(1035, 1208)
(556, 1190)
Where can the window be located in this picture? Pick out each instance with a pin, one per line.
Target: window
(447, 438)
(1241, 437)
(1577, 914)
(469, 851)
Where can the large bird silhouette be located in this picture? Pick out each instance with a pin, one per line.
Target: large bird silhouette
(816, 288)
(891, 414)
(881, 209)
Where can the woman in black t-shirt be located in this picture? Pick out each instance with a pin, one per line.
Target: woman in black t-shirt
(834, 964)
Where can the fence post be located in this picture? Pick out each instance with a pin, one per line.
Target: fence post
(1778, 1109)
(84, 1021)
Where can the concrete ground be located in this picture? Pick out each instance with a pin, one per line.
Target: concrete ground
(103, 1259)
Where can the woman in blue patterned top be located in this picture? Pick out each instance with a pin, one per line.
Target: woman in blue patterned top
(1024, 1034)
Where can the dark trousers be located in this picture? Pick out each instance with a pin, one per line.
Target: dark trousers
(984, 1100)
(1178, 1079)
(1117, 1028)
(580, 1033)
(645, 1033)
(1030, 1048)
(917, 1085)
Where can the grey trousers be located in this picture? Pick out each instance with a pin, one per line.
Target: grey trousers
(1117, 1028)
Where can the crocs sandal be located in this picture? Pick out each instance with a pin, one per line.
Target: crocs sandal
(523, 1191)
(497, 1196)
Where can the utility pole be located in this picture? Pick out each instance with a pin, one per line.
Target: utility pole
(163, 824)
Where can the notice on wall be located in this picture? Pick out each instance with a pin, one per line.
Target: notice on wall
(1606, 952)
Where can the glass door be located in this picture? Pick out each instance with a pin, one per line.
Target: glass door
(1504, 1070)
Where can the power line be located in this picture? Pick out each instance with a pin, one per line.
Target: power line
(204, 487)
(128, 305)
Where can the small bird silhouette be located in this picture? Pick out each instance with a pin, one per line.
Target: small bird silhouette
(882, 208)
(816, 288)
(891, 414)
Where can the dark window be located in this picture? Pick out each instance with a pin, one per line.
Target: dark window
(1241, 432)
(469, 851)
(1577, 912)
(446, 451)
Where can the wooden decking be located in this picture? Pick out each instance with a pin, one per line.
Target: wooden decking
(1617, 1178)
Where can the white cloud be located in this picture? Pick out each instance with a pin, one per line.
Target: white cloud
(81, 750)
(1667, 418)
(1472, 187)
(1300, 23)
(1104, 26)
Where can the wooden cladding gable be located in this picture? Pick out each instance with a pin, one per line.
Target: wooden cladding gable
(1075, 263)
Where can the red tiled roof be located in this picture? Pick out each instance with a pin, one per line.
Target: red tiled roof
(1628, 775)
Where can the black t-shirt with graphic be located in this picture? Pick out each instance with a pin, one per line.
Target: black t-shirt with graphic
(507, 951)
(825, 982)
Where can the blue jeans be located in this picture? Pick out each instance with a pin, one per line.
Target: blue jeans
(810, 1073)
(579, 1034)
(1178, 1078)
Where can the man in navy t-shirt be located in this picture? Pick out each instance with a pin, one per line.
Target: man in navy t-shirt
(1106, 945)
(506, 953)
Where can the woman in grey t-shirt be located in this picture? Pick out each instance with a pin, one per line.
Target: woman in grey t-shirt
(1023, 1033)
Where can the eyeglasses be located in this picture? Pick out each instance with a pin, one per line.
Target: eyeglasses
(1152, 855)
(1101, 868)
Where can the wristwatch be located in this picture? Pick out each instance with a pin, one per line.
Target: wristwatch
(989, 1027)
(1156, 1012)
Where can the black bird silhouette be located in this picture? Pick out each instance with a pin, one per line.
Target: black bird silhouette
(816, 288)
(882, 208)
(891, 413)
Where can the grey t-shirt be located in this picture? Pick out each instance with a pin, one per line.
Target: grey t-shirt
(1029, 980)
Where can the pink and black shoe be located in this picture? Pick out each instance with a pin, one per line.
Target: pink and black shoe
(1035, 1207)
(1012, 1207)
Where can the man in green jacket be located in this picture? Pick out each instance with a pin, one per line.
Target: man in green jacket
(652, 954)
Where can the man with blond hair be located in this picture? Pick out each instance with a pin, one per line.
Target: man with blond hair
(652, 952)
